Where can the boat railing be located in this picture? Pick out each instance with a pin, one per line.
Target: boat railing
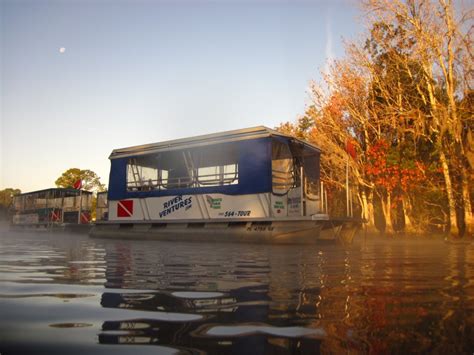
(226, 178)
(217, 179)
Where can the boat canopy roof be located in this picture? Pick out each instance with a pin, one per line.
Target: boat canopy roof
(56, 191)
(208, 139)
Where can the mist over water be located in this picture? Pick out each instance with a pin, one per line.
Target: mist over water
(69, 294)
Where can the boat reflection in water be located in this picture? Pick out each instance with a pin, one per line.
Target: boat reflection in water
(240, 302)
(375, 297)
(67, 294)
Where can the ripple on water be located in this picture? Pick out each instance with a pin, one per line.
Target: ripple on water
(248, 329)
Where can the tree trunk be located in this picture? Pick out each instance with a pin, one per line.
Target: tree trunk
(365, 208)
(453, 223)
(468, 214)
(370, 207)
(368, 211)
(406, 206)
(387, 214)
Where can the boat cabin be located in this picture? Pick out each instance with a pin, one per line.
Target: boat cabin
(242, 174)
(52, 206)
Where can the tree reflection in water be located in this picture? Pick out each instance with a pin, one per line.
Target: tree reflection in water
(375, 297)
(60, 293)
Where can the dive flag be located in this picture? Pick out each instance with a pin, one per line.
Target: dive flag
(78, 184)
(125, 208)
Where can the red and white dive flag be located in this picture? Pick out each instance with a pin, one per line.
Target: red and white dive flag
(125, 208)
(78, 184)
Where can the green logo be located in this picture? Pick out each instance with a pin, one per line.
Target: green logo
(279, 205)
(214, 203)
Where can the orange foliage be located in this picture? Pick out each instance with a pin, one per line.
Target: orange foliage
(388, 173)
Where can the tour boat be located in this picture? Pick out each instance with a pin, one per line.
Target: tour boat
(252, 185)
(52, 208)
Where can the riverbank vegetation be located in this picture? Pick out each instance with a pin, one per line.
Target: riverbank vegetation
(398, 110)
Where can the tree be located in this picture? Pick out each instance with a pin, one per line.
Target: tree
(442, 46)
(90, 180)
(404, 99)
(6, 198)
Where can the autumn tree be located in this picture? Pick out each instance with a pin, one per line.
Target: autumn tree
(404, 100)
(396, 108)
(443, 47)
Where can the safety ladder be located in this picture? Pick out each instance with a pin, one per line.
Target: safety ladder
(136, 174)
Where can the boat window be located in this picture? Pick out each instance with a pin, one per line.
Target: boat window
(216, 166)
(29, 202)
(143, 174)
(218, 175)
(307, 160)
(284, 174)
(101, 206)
(311, 174)
(199, 167)
(17, 202)
(180, 168)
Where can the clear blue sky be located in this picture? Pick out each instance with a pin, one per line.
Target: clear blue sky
(136, 72)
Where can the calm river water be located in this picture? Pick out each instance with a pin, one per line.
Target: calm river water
(69, 294)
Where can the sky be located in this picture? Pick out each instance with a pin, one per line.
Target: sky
(79, 78)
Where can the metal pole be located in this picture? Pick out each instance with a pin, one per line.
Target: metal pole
(62, 207)
(49, 216)
(350, 199)
(347, 185)
(321, 197)
(326, 201)
(301, 192)
(80, 207)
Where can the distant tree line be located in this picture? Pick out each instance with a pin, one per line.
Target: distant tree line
(403, 101)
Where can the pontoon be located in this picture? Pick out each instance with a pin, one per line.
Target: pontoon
(252, 185)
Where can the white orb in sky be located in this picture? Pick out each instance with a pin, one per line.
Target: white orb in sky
(62, 50)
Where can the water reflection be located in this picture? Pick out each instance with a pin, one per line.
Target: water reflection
(378, 296)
